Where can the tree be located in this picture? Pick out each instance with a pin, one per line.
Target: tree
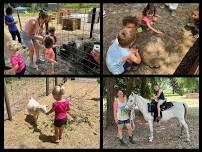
(110, 83)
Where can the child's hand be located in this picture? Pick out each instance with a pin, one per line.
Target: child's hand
(159, 32)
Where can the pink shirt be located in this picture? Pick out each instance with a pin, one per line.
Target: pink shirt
(18, 59)
(146, 19)
(60, 108)
(49, 54)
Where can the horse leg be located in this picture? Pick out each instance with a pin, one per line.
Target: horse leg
(184, 124)
(182, 127)
(151, 137)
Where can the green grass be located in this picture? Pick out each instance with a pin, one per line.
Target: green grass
(97, 5)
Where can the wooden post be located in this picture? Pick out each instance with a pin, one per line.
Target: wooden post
(92, 22)
(7, 101)
(47, 86)
(56, 81)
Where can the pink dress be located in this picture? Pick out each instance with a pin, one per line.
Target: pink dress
(60, 109)
(49, 54)
(18, 59)
(146, 19)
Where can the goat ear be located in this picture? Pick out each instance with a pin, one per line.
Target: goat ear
(132, 94)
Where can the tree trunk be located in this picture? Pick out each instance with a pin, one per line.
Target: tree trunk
(110, 82)
(129, 86)
(143, 87)
(190, 63)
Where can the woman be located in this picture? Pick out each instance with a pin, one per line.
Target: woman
(30, 35)
(121, 117)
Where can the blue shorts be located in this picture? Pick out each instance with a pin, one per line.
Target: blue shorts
(26, 40)
(123, 122)
(127, 65)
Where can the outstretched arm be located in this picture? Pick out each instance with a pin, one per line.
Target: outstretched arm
(153, 29)
(50, 111)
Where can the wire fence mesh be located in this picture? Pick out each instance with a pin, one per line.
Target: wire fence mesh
(20, 90)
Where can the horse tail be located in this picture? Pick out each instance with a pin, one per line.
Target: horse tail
(185, 111)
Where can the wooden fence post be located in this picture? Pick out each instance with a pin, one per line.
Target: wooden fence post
(7, 101)
(56, 81)
(47, 86)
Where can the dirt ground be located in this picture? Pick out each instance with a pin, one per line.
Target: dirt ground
(165, 50)
(81, 131)
(166, 134)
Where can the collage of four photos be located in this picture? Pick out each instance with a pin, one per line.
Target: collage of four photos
(101, 75)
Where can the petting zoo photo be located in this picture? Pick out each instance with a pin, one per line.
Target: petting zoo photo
(151, 113)
(151, 38)
(51, 38)
(51, 113)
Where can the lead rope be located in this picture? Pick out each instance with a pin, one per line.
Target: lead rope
(132, 116)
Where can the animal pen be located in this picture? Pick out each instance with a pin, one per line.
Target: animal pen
(78, 32)
(83, 120)
(17, 92)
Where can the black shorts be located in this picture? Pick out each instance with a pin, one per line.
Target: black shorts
(127, 65)
(123, 122)
(60, 122)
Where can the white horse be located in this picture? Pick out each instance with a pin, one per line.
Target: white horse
(179, 111)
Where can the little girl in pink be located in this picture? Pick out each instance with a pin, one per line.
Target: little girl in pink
(149, 17)
(60, 107)
(49, 53)
(16, 60)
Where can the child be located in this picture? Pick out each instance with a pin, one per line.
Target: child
(60, 107)
(120, 55)
(9, 20)
(195, 22)
(49, 53)
(149, 17)
(172, 7)
(130, 22)
(160, 98)
(16, 59)
(53, 36)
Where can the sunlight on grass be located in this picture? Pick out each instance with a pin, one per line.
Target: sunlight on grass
(191, 102)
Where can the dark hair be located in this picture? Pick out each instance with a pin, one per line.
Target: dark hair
(43, 14)
(51, 29)
(9, 11)
(149, 9)
(130, 20)
(48, 42)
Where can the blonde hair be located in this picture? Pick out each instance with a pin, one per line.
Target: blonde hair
(14, 45)
(126, 36)
(58, 91)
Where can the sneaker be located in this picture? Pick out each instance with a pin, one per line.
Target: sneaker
(34, 66)
(122, 143)
(57, 141)
(158, 118)
(40, 61)
(131, 140)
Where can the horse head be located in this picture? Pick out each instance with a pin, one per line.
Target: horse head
(131, 101)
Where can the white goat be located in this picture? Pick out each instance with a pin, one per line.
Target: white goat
(34, 108)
